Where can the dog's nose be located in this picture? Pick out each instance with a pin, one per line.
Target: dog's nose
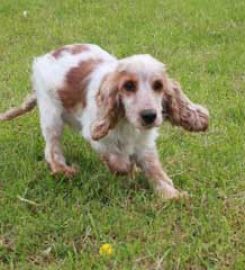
(148, 116)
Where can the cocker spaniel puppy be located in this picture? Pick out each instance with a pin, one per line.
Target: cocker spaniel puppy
(117, 106)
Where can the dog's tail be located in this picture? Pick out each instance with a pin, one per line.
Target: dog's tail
(29, 103)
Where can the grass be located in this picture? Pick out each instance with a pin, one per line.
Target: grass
(202, 43)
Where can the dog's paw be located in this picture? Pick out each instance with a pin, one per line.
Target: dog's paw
(67, 171)
(70, 171)
(169, 192)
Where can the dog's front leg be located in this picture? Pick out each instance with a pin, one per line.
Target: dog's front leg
(118, 164)
(149, 162)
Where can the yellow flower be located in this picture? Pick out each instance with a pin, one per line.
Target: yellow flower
(106, 249)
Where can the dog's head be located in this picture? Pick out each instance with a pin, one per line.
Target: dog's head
(140, 90)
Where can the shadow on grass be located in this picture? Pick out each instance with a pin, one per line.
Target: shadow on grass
(93, 182)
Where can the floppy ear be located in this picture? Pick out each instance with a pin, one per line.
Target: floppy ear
(109, 108)
(181, 111)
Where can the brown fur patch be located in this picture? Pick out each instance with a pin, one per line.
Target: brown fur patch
(77, 79)
(124, 77)
(57, 53)
(80, 48)
(75, 49)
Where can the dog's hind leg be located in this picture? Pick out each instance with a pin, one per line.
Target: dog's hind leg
(52, 128)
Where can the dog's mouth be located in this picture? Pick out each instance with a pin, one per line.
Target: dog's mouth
(145, 126)
(148, 126)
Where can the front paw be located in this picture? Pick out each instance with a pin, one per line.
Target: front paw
(169, 192)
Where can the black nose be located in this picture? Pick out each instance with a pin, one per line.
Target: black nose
(148, 116)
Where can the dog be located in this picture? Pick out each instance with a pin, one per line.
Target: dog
(117, 105)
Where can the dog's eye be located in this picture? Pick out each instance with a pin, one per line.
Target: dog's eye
(129, 86)
(157, 86)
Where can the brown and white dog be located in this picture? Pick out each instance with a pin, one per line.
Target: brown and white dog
(117, 105)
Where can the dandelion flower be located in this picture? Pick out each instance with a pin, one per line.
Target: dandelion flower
(106, 249)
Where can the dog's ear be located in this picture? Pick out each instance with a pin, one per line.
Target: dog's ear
(180, 111)
(109, 107)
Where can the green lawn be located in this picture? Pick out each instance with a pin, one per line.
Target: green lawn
(203, 44)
